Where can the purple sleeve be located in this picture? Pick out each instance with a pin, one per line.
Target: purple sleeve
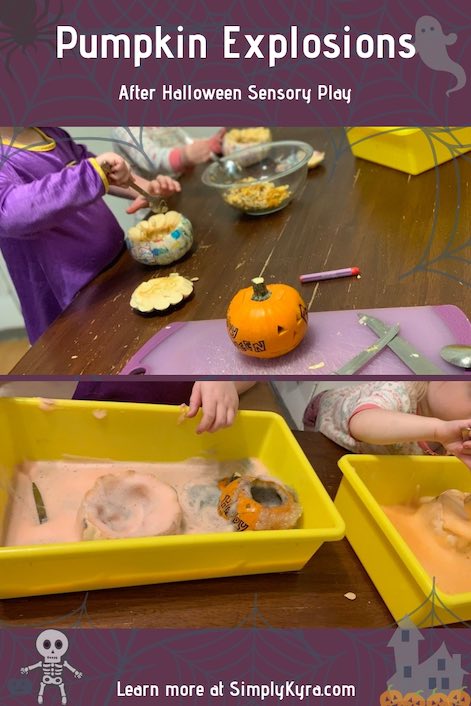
(29, 208)
(78, 151)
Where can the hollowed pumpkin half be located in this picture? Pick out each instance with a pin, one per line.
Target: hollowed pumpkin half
(267, 321)
(162, 239)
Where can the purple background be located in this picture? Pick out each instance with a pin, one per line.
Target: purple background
(358, 657)
(74, 91)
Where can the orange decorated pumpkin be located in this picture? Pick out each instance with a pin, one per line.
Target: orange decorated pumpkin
(459, 697)
(413, 698)
(391, 697)
(436, 698)
(266, 321)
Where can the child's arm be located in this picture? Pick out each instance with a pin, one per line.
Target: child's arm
(145, 154)
(200, 151)
(219, 401)
(380, 426)
(27, 208)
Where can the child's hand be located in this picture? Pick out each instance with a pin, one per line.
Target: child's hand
(116, 168)
(220, 402)
(200, 151)
(163, 186)
(449, 434)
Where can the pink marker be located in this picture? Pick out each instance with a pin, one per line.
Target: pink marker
(330, 274)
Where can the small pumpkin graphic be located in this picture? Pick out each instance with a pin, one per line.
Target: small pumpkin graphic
(160, 240)
(413, 698)
(267, 321)
(459, 697)
(390, 697)
(437, 698)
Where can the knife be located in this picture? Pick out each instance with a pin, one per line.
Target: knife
(402, 348)
(362, 358)
(39, 502)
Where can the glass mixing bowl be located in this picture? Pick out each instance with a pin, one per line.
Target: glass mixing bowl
(264, 178)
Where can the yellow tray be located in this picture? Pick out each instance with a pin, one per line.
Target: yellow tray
(138, 432)
(410, 149)
(371, 481)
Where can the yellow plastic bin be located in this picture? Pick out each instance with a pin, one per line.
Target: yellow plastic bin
(410, 149)
(371, 481)
(138, 432)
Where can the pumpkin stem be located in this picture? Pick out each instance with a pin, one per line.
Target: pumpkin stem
(260, 291)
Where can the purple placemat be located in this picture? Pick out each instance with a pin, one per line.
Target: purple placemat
(203, 348)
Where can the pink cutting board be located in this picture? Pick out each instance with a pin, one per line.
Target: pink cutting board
(203, 348)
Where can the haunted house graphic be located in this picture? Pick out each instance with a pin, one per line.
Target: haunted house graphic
(440, 672)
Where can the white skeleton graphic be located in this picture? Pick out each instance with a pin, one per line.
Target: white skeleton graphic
(52, 645)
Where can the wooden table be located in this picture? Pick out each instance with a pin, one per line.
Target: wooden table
(313, 597)
(351, 213)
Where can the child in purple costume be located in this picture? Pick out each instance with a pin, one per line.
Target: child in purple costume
(56, 232)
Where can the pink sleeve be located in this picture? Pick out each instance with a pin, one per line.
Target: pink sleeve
(176, 159)
(361, 408)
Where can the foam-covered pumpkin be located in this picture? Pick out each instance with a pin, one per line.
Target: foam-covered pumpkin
(459, 697)
(390, 697)
(413, 698)
(160, 240)
(436, 698)
(267, 321)
(160, 293)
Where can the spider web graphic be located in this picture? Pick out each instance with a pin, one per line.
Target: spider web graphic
(256, 654)
(449, 239)
(91, 85)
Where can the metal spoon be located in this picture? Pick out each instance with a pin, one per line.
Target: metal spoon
(157, 204)
(231, 168)
(458, 355)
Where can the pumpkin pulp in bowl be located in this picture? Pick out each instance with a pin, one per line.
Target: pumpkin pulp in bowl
(268, 177)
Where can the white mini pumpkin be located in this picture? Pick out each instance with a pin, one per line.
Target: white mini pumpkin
(162, 239)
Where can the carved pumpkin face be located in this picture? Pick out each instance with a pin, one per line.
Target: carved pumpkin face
(391, 697)
(438, 699)
(459, 697)
(413, 699)
(266, 321)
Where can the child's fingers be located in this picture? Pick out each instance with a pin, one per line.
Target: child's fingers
(136, 205)
(207, 422)
(192, 410)
(195, 401)
(230, 416)
(170, 185)
(220, 419)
